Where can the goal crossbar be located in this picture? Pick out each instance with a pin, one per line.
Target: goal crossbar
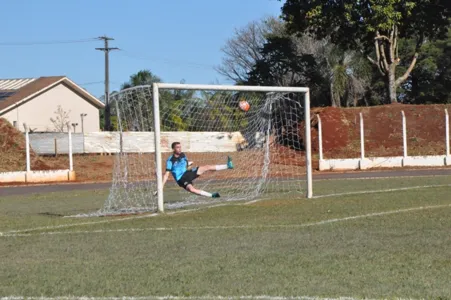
(238, 88)
(178, 86)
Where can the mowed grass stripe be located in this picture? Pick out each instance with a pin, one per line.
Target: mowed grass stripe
(399, 255)
(392, 256)
(329, 221)
(211, 297)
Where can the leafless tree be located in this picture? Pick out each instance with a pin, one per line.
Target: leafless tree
(61, 119)
(242, 51)
(339, 68)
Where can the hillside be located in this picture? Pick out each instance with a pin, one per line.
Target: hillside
(12, 151)
(341, 139)
(383, 130)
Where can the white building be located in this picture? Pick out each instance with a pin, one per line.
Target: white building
(38, 101)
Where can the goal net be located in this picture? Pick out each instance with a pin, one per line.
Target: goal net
(267, 144)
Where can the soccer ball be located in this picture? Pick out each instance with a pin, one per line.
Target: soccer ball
(244, 105)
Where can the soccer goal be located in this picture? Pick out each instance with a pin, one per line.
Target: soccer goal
(268, 141)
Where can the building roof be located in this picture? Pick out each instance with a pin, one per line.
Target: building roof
(14, 92)
(14, 84)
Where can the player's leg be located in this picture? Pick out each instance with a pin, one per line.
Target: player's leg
(190, 188)
(201, 170)
(186, 182)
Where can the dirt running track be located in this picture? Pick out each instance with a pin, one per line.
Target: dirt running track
(24, 190)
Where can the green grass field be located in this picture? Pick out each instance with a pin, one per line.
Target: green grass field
(391, 244)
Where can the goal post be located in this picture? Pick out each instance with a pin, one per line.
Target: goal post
(158, 158)
(267, 141)
(157, 87)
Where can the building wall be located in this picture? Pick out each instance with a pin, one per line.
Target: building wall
(37, 112)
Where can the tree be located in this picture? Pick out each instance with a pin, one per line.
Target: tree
(430, 81)
(282, 64)
(373, 27)
(143, 77)
(336, 77)
(113, 120)
(61, 120)
(242, 51)
(138, 107)
(347, 74)
(173, 104)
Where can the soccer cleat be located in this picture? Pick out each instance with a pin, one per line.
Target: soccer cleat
(215, 195)
(229, 162)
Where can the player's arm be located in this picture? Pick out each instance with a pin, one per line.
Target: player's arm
(166, 177)
(168, 171)
(166, 174)
(189, 164)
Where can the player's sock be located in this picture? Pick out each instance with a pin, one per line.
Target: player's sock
(206, 194)
(229, 163)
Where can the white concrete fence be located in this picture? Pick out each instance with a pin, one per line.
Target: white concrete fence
(136, 142)
(114, 142)
(363, 162)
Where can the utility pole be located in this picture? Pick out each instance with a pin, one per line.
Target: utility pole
(106, 49)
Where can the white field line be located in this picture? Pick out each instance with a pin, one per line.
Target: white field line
(109, 220)
(385, 190)
(78, 224)
(329, 221)
(368, 192)
(380, 177)
(186, 298)
(106, 221)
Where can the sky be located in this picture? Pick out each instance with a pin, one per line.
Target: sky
(176, 39)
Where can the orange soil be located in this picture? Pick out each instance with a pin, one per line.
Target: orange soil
(383, 130)
(341, 139)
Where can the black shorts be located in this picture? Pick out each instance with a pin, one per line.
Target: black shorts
(187, 178)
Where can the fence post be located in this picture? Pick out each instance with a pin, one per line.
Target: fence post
(308, 143)
(83, 143)
(447, 133)
(404, 134)
(447, 146)
(27, 147)
(71, 163)
(320, 138)
(56, 146)
(362, 138)
(362, 164)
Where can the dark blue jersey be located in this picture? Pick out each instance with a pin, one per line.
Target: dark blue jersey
(177, 165)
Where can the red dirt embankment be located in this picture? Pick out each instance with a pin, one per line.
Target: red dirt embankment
(383, 130)
(341, 139)
(12, 151)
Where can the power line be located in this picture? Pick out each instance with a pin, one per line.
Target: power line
(38, 43)
(96, 82)
(91, 83)
(167, 61)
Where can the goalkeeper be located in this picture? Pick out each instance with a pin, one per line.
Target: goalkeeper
(177, 165)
